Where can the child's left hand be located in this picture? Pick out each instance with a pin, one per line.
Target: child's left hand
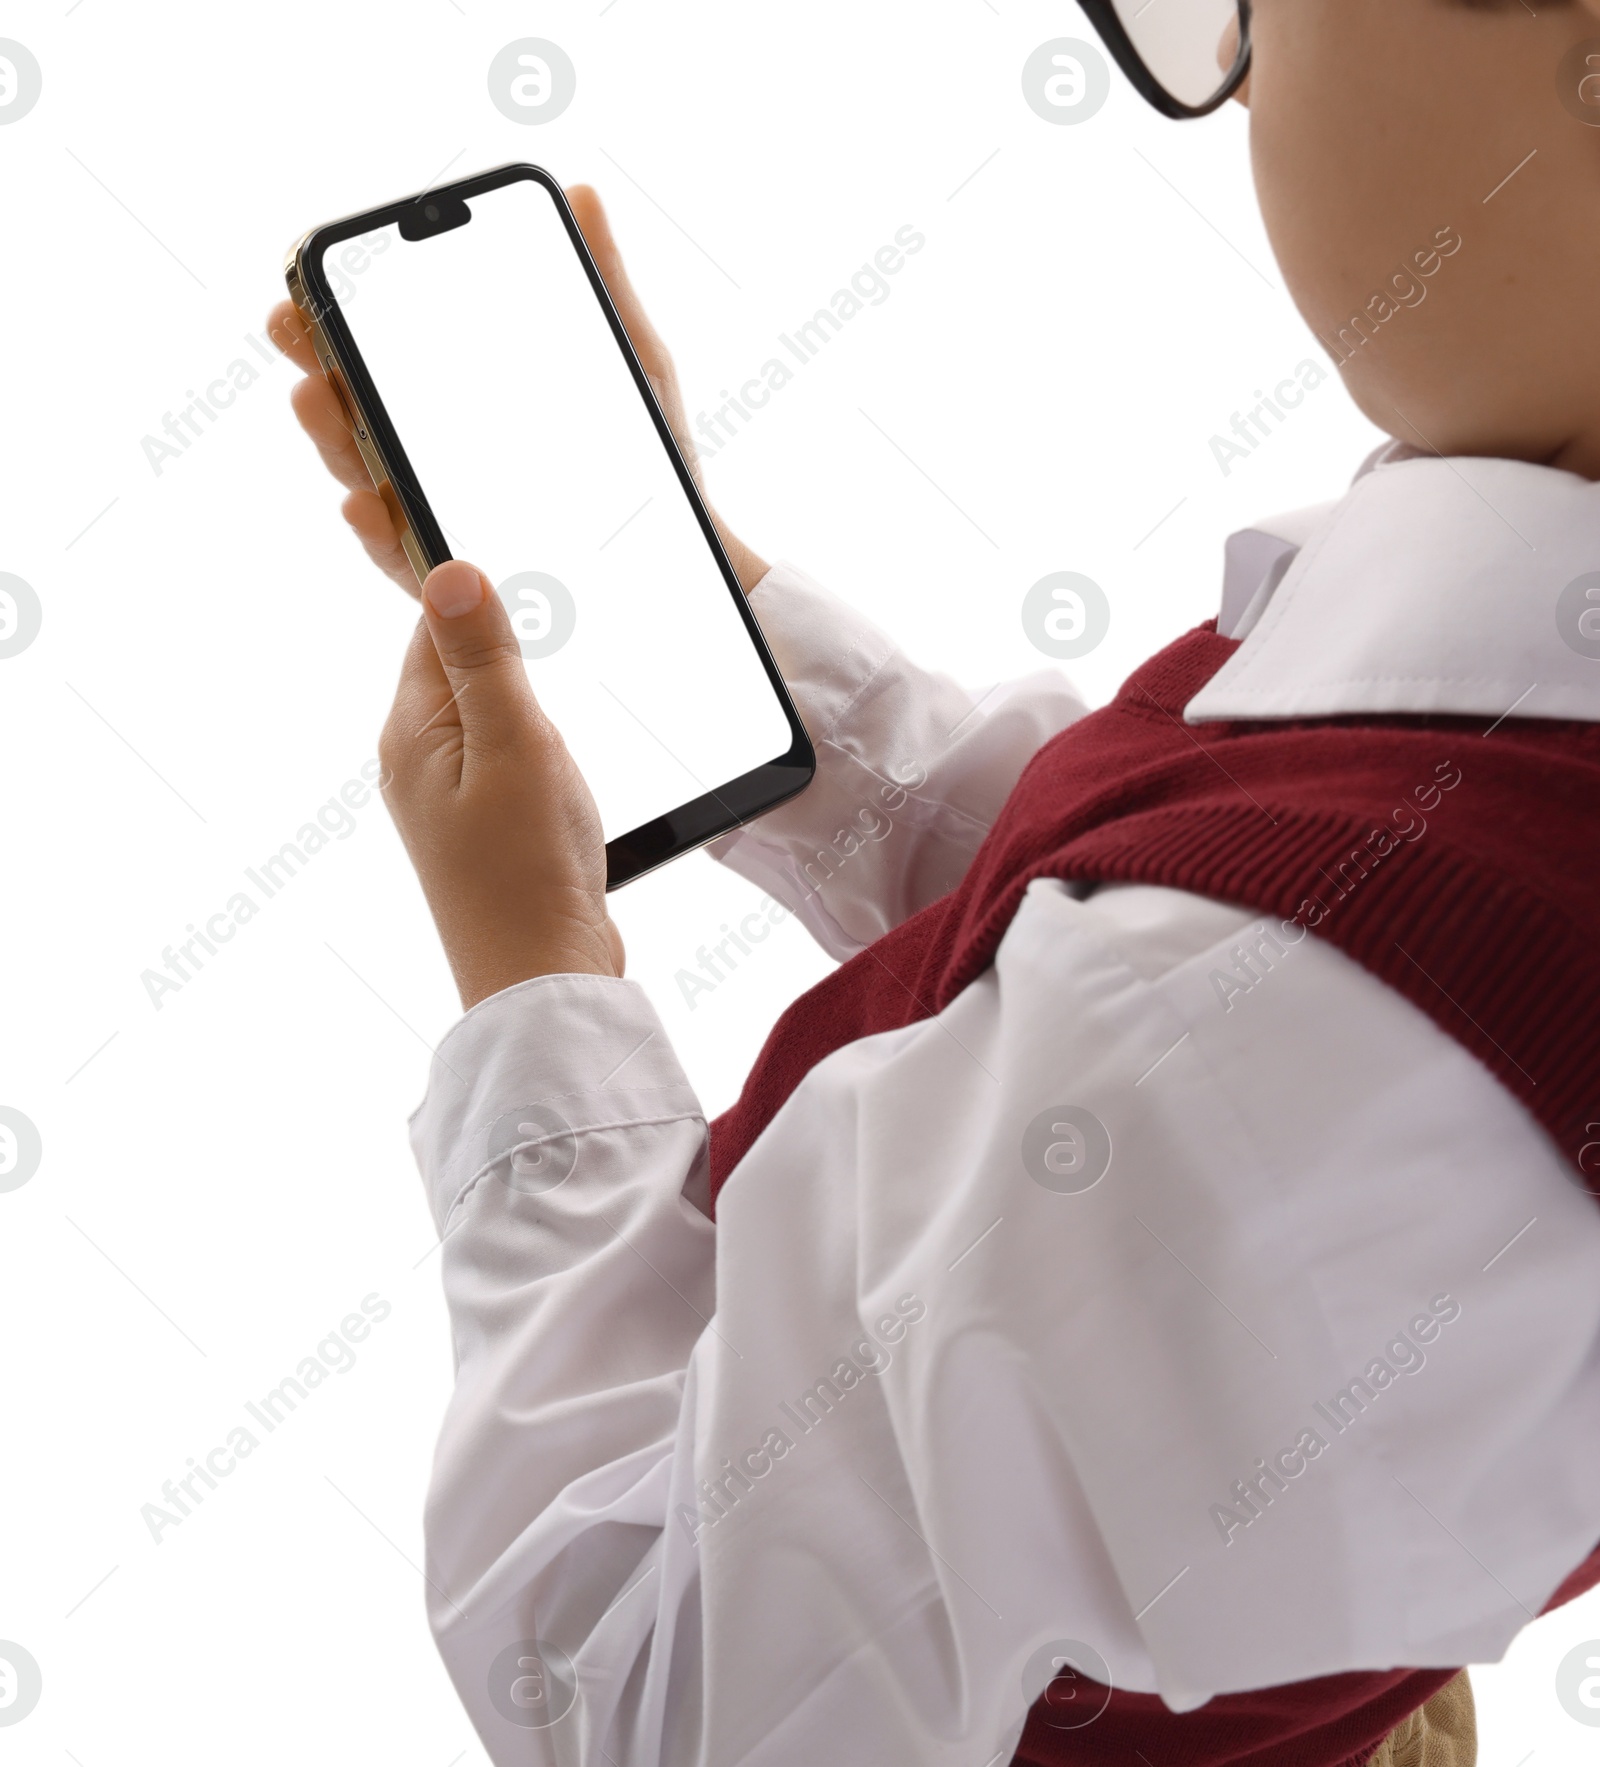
(497, 819)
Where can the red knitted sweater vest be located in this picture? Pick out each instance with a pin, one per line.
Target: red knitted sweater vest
(1460, 865)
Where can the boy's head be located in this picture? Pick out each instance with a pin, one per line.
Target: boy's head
(1377, 125)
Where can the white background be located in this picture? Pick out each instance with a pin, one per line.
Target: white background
(226, 1177)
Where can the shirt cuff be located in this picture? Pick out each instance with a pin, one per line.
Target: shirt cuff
(826, 650)
(830, 657)
(526, 1072)
(911, 770)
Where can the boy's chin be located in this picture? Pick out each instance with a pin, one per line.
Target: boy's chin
(1460, 420)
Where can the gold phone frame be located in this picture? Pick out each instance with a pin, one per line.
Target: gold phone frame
(360, 424)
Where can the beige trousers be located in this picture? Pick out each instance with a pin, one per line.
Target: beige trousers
(1443, 1733)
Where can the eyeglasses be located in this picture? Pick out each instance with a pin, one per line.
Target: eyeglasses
(1177, 52)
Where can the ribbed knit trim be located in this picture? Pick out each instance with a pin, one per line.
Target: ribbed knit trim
(1469, 949)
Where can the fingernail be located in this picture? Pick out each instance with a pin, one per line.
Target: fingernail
(453, 589)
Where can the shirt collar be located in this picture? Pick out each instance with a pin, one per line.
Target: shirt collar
(1435, 585)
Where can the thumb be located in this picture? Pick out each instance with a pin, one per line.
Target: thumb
(480, 656)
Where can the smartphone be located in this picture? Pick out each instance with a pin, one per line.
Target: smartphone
(505, 419)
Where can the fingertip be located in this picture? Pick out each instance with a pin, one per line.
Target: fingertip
(317, 407)
(594, 223)
(289, 332)
(453, 589)
(368, 514)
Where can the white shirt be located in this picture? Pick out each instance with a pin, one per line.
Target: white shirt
(970, 1422)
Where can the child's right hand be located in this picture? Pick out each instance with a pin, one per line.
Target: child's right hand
(322, 416)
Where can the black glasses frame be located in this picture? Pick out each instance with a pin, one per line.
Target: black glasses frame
(1103, 16)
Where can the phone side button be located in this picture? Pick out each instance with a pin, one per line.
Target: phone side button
(335, 380)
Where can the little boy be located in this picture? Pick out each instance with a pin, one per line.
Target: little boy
(1146, 1302)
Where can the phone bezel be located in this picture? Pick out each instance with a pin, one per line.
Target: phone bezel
(716, 812)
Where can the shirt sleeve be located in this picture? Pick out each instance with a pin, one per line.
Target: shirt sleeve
(912, 768)
(561, 1147)
(1179, 1305)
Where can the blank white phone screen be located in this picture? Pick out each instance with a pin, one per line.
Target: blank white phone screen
(531, 443)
